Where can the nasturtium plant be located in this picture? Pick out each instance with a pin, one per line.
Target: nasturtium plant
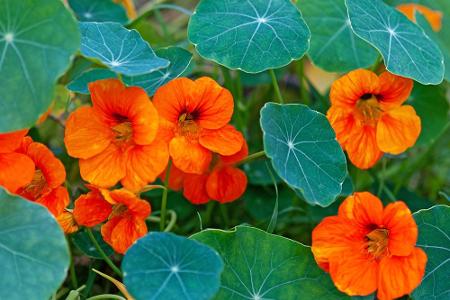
(33, 250)
(166, 266)
(80, 83)
(252, 36)
(304, 151)
(98, 11)
(37, 41)
(434, 238)
(82, 241)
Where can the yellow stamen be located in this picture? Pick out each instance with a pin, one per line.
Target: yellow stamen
(123, 131)
(369, 109)
(36, 186)
(377, 242)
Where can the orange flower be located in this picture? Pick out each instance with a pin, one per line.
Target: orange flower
(67, 222)
(45, 187)
(433, 17)
(116, 139)
(197, 115)
(125, 212)
(224, 183)
(367, 248)
(16, 169)
(368, 116)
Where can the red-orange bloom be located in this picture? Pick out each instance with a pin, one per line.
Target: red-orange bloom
(116, 139)
(367, 247)
(197, 113)
(368, 116)
(125, 212)
(67, 222)
(433, 17)
(223, 183)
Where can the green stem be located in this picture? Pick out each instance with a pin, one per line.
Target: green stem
(389, 193)
(304, 94)
(251, 157)
(276, 86)
(381, 178)
(162, 23)
(106, 296)
(102, 253)
(73, 275)
(172, 222)
(208, 213)
(91, 278)
(162, 223)
(224, 212)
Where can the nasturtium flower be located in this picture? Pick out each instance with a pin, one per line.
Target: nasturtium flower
(196, 115)
(67, 222)
(117, 138)
(367, 247)
(434, 17)
(368, 116)
(123, 211)
(223, 182)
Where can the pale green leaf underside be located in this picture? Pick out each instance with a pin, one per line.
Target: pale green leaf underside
(304, 151)
(98, 11)
(165, 266)
(250, 35)
(33, 251)
(259, 265)
(434, 238)
(122, 50)
(405, 48)
(37, 40)
(334, 46)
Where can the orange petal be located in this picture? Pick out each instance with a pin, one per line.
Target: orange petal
(433, 17)
(189, 156)
(347, 90)
(10, 141)
(91, 209)
(364, 208)
(362, 147)
(343, 122)
(67, 223)
(16, 170)
(398, 129)
(56, 200)
(397, 218)
(176, 178)
(225, 141)
(394, 90)
(105, 169)
(137, 207)
(400, 275)
(195, 188)
(86, 134)
(240, 155)
(122, 232)
(226, 184)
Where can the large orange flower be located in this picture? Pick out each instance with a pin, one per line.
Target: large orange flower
(368, 116)
(367, 248)
(224, 182)
(433, 17)
(124, 211)
(116, 139)
(197, 114)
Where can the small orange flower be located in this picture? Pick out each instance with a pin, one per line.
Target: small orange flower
(367, 248)
(433, 17)
(197, 114)
(368, 116)
(224, 183)
(116, 139)
(67, 222)
(125, 212)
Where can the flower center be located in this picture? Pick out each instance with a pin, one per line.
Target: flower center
(36, 187)
(118, 209)
(124, 132)
(377, 242)
(187, 125)
(368, 108)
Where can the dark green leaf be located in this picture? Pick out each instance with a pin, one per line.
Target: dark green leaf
(83, 242)
(98, 11)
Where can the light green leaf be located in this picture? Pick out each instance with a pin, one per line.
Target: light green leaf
(166, 266)
(407, 51)
(179, 58)
(83, 242)
(250, 35)
(334, 46)
(98, 11)
(122, 50)
(80, 84)
(33, 250)
(259, 265)
(37, 40)
(434, 238)
(304, 151)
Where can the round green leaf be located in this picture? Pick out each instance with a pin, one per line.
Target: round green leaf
(407, 51)
(122, 50)
(166, 266)
(37, 40)
(431, 105)
(304, 151)
(250, 35)
(80, 84)
(98, 11)
(334, 46)
(33, 250)
(259, 265)
(434, 238)
(83, 242)
(179, 58)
